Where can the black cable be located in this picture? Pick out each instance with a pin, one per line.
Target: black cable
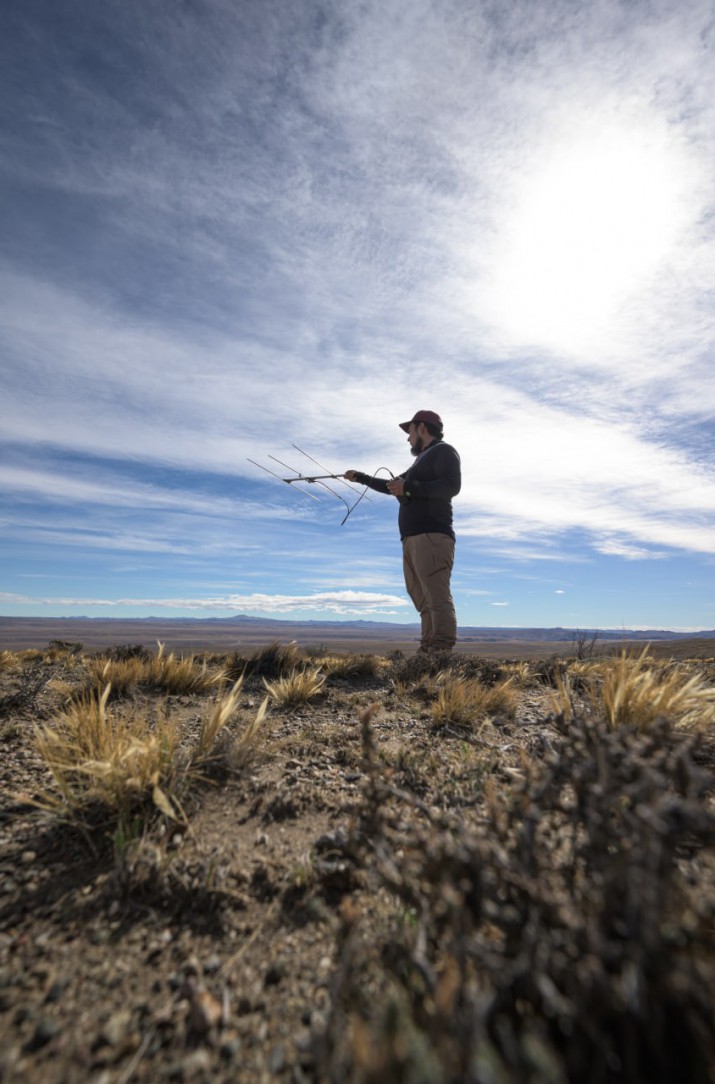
(357, 502)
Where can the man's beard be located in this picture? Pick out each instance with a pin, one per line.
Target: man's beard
(418, 447)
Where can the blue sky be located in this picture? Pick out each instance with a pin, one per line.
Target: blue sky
(229, 226)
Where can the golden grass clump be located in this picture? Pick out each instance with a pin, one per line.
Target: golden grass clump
(179, 674)
(635, 693)
(124, 675)
(9, 660)
(31, 654)
(275, 660)
(520, 672)
(351, 666)
(117, 764)
(297, 688)
(465, 701)
(167, 673)
(122, 766)
(243, 748)
(561, 697)
(213, 725)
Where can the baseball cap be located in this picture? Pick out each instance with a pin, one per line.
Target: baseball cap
(427, 416)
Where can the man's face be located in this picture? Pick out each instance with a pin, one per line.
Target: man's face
(415, 436)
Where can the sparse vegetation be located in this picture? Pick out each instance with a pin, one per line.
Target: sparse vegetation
(434, 870)
(114, 765)
(634, 692)
(352, 666)
(124, 676)
(9, 660)
(275, 660)
(546, 942)
(116, 768)
(296, 688)
(173, 674)
(64, 647)
(585, 643)
(465, 702)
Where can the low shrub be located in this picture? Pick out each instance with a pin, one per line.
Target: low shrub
(565, 938)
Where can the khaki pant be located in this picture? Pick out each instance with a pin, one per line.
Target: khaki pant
(427, 561)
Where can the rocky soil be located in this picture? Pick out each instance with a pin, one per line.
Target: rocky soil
(218, 949)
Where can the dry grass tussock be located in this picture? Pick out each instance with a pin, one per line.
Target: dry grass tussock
(632, 690)
(635, 693)
(351, 666)
(272, 661)
(464, 702)
(173, 674)
(10, 660)
(297, 688)
(521, 673)
(123, 766)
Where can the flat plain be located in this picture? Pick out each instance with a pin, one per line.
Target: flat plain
(200, 636)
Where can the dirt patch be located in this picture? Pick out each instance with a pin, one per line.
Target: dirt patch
(227, 948)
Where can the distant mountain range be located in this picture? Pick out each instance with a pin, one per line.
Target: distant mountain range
(387, 629)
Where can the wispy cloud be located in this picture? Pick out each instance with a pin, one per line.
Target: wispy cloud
(237, 229)
(352, 603)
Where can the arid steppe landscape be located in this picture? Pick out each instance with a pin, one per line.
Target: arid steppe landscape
(311, 861)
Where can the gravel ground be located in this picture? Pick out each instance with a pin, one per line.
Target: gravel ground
(208, 951)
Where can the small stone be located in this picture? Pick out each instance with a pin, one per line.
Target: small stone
(318, 1023)
(56, 990)
(304, 1041)
(47, 1028)
(117, 1027)
(28, 857)
(277, 1058)
(204, 1012)
(230, 1047)
(164, 1014)
(198, 1061)
(275, 973)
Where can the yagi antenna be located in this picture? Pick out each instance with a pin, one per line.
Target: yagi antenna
(314, 479)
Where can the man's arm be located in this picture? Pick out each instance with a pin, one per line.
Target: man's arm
(378, 484)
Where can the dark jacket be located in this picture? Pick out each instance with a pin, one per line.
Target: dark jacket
(430, 483)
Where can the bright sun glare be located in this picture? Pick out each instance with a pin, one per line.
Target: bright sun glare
(591, 225)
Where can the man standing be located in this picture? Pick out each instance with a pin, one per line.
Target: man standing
(425, 494)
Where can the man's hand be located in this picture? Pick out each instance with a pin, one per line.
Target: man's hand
(350, 475)
(396, 486)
